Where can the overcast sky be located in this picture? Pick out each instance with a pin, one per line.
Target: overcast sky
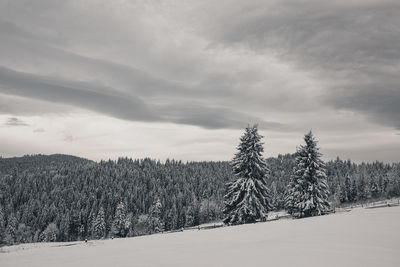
(182, 79)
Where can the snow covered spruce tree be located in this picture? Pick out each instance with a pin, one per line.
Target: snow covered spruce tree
(156, 224)
(308, 191)
(120, 225)
(248, 198)
(99, 225)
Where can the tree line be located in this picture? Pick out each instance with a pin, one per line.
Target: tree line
(65, 198)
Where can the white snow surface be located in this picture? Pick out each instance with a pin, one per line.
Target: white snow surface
(361, 237)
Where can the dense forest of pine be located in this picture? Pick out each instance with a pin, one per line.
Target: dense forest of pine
(64, 198)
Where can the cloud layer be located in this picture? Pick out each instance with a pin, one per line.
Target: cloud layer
(287, 65)
(351, 47)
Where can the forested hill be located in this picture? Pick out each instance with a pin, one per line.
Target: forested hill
(62, 198)
(39, 162)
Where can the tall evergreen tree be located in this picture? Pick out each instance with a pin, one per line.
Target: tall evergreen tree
(99, 225)
(120, 223)
(2, 225)
(248, 197)
(308, 190)
(11, 230)
(274, 196)
(353, 191)
(347, 185)
(155, 220)
(50, 233)
(342, 193)
(189, 217)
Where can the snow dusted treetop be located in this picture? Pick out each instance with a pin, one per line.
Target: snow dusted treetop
(308, 191)
(248, 161)
(248, 198)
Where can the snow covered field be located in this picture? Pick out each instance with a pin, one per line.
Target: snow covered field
(362, 237)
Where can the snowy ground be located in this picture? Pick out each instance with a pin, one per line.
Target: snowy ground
(361, 237)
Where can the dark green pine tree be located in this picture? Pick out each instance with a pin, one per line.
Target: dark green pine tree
(308, 190)
(248, 198)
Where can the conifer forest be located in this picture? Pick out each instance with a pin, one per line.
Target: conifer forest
(65, 198)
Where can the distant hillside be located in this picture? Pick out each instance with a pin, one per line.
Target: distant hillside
(35, 162)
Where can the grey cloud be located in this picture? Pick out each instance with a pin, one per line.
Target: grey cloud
(22, 106)
(30, 46)
(31, 51)
(344, 43)
(119, 104)
(55, 59)
(21, 50)
(340, 42)
(379, 101)
(328, 35)
(134, 81)
(15, 122)
(214, 117)
(81, 94)
(125, 34)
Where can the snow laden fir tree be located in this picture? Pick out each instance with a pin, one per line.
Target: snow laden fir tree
(248, 198)
(308, 190)
(99, 225)
(121, 223)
